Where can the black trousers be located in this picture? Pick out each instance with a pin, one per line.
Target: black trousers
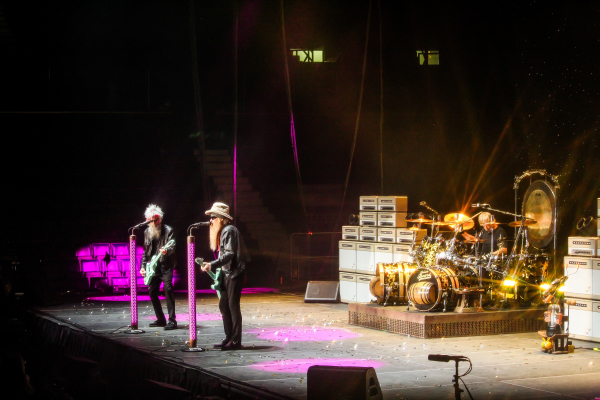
(229, 305)
(167, 280)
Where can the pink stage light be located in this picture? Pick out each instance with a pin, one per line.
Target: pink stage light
(303, 334)
(199, 317)
(301, 365)
(126, 298)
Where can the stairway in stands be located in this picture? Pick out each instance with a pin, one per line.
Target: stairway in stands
(253, 218)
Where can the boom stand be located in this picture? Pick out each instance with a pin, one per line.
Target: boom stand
(191, 250)
(133, 287)
(457, 389)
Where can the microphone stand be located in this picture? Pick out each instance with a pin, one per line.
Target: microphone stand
(191, 253)
(133, 329)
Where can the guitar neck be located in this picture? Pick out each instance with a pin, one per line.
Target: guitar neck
(212, 275)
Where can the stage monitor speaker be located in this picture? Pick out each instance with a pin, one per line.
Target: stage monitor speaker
(322, 292)
(342, 383)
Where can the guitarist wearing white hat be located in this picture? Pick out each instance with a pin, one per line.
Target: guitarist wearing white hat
(233, 259)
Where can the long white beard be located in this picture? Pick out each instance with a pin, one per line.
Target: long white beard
(215, 230)
(154, 233)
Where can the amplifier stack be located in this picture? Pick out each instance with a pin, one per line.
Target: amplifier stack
(382, 237)
(582, 266)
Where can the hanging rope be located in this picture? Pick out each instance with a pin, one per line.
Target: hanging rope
(235, 113)
(292, 127)
(198, 106)
(381, 98)
(362, 85)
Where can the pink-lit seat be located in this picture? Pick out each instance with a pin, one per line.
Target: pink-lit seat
(100, 250)
(118, 250)
(119, 281)
(83, 252)
(91, 268)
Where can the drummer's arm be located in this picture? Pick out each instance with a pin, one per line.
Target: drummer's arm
(468, 236)
(501, 251)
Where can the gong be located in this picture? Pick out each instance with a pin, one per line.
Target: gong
(539, 203)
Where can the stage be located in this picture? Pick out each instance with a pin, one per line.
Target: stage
(437, 325)
(283, 336)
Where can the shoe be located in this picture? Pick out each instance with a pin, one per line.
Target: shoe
(223, 343)
(157, 323)
(231, 346)
(170, 326)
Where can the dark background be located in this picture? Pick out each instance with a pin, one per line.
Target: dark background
(98, 114)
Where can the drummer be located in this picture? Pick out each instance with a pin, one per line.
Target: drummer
(490, 228)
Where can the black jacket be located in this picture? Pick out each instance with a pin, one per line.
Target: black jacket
(233, 255)
(165, 262)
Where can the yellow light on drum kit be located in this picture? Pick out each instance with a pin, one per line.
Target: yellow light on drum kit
(544, 286)
(509, 282)
(561, 289)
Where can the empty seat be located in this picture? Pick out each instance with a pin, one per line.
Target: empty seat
(91, 268)
(100, 250)
(119, 281)
(118, 250)
(83, 252)
(90, 265)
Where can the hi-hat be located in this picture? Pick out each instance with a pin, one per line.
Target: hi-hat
(460, 219)
(420, 221)
(527, 222)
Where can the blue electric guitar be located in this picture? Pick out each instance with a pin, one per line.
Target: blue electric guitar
(151, 265)
(215, 276)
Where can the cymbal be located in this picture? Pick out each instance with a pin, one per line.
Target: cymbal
(460, 219)
(527, 222)
(440, 223)
(420, 221)
(475, 241)
(507, 239)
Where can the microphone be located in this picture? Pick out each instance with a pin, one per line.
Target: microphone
(201, 224)
(480, 205)
(143, 224)
(445, 358)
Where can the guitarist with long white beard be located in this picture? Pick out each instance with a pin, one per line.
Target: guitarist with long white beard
(156, 236)
(233, 259)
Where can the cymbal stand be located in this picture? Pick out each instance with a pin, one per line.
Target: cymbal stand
(489, 261)
(435, 214)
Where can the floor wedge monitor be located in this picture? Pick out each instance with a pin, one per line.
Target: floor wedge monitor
(342, 383)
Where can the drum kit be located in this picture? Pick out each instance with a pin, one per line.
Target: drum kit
(445, 267)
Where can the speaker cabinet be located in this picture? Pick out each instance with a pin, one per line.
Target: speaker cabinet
(342, 383)
(322, 292)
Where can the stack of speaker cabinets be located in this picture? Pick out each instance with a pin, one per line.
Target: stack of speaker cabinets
(382, 237)
(582, 266)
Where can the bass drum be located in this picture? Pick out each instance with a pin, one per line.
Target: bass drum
(377, 289)
(426, 287)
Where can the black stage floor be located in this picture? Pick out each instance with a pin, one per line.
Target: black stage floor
(283, 336)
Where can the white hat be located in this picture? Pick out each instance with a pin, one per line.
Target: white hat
(220, 209)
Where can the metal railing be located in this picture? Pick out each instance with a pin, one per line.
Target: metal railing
(314, 256)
